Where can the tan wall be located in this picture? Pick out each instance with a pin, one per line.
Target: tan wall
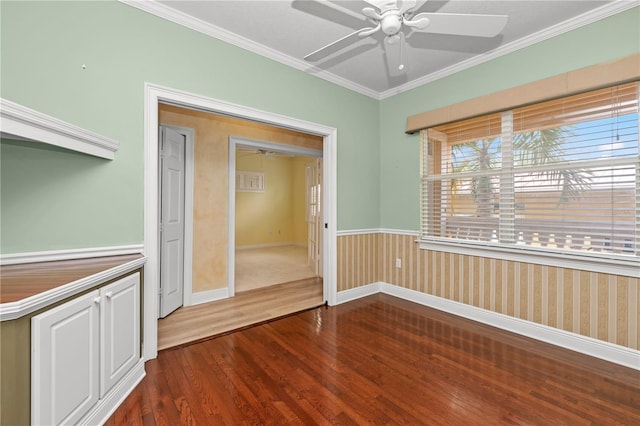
(597, 305)
(276, 215)
(211, 183)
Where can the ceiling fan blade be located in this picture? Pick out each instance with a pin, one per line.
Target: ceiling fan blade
(407, 5)
(370, 12)
(418, 5)
(460, 24)
(338, 8)
(338, 44)
(383, 5)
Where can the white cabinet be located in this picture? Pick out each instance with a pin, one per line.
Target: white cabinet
(82, 349)
(119, 330)
(64, 361)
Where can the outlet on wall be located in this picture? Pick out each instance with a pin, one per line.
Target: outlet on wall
(398, 263)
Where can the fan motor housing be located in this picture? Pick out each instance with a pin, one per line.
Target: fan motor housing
(391, 22)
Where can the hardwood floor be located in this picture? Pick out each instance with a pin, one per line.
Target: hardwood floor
(191, 323)
(379, 360)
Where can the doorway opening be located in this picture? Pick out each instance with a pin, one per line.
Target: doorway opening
(155, 95)
(276, 215)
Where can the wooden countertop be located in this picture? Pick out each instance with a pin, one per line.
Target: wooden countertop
(30, 286)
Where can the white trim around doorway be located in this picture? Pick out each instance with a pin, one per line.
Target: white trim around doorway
(155, 94)
(234, 142)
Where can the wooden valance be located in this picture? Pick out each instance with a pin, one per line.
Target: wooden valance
(589, 78)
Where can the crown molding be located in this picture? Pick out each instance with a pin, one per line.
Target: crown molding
(587, 18)
(18, 122)
(173, 15)
(162, 11)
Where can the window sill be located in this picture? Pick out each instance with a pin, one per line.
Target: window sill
(595, 262)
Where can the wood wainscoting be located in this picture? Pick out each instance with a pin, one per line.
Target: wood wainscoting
(593, 304)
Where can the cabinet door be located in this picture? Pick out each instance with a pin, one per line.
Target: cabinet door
(120, 330)
(64, 361)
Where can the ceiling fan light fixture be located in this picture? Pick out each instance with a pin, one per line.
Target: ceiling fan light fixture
(391, 22)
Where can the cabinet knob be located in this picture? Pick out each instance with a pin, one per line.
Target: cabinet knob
(109, 294)
(97, 300)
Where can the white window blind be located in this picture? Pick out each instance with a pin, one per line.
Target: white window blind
(561, 175)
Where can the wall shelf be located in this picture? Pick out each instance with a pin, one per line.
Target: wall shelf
(21, 123)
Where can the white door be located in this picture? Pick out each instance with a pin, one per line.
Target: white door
(120, 330)
(313, 174)
(172, 170)
(64, 365)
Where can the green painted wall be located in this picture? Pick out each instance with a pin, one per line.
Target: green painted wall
(56, 199)
(605, 40)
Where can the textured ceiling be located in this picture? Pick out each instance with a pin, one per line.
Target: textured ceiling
(288, 30)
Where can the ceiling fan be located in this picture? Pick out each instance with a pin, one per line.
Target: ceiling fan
(393, 17)
(243, 152)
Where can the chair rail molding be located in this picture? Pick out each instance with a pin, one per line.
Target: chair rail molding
(18, 122)
(68, 254)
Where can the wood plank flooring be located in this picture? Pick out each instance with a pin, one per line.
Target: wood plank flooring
(379, 360)
(196, 322)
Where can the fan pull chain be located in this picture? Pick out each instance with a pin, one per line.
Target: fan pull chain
(401, 66)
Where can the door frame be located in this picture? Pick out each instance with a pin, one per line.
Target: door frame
(234, 142)
(155, 94)
(189, 168)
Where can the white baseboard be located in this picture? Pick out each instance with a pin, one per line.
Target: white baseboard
(269, 245)
(587, 345)
(357, 293)
(209, 296)
(68, 254)
(116, 396)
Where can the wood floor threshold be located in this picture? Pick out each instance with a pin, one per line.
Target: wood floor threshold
(199, 322)
(243, 328)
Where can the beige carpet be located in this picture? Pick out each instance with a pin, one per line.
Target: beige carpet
(256, 268)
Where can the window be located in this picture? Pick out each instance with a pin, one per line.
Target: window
(559, 177)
